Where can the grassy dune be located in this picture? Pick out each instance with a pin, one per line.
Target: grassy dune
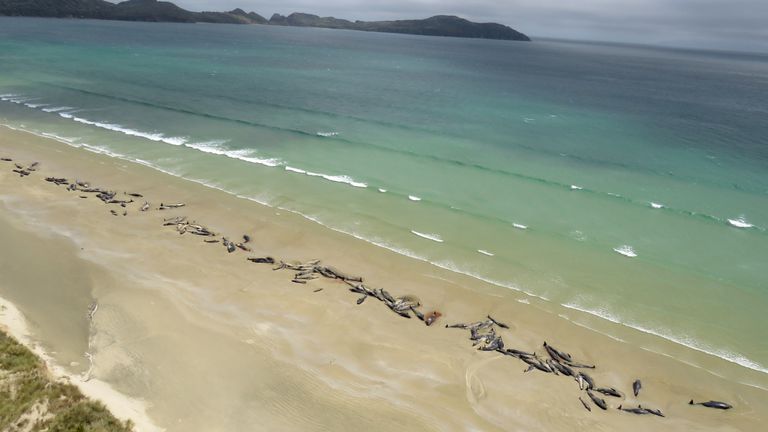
(32, 400)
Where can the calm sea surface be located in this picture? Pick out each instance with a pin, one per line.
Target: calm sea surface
(628, 183)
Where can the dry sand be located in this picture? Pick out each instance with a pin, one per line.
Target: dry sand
(202, 340)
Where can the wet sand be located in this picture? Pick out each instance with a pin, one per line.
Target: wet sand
(211, 342)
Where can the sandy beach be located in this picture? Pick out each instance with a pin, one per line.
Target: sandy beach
(189, 337)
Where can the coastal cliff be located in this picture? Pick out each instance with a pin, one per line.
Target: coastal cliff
(161, 11)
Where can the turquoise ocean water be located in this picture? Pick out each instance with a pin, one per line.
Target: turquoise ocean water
(629, 183)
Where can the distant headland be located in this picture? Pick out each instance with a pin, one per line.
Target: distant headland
(160, 11)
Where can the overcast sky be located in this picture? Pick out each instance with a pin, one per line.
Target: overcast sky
(721, 24)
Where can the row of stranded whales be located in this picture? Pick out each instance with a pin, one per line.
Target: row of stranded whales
(485, 338)
(105, 195)
(483, 333)
(403, 306)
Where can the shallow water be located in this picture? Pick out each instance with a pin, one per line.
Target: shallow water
(59, 292)
(541, 166)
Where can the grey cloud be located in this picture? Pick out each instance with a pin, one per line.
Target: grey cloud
(725, 24)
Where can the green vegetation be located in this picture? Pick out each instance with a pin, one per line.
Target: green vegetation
(31, 400)
(440, 25)
(162, 11)
(131, 10)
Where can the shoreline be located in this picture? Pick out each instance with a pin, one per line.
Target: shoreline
(435, 287)
(609, 320)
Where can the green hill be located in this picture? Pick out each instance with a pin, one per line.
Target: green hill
(161, 11)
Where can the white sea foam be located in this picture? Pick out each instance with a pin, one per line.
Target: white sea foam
(485, 252)
(740, 222)
(127, 131)
(59, 137)
(684, 340)
(520, 226)
(327, 134)
(246, 155)
(296, 170)
(104, 151)
(433, 237)
(65, 140)
(447, 265)
(334, 178)
(30, 105)
(656, 205)
(382, 190)
(17, 99)
(523, 301)
(345, 179)
(249, 156)
(574, 187)
(212, 147)
(625, 250)
(451, 266)
(414, 198)
(338, 179)
(72, 142)
(57, 109)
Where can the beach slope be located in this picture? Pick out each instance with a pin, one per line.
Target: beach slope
(203, 339)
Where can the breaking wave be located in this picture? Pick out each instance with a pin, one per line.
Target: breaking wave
(127, 131)
(57, 109)
(215, 147)
(433, 237)
(740, 222)
(334, 178)
(666, 334)
(626, 250)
